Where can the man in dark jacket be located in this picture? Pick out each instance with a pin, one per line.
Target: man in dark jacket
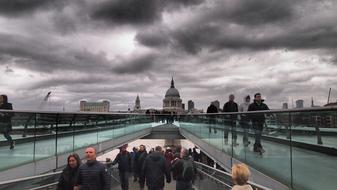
(258, 120)
(92, 175)
(154, 170)
(123, 159)
(212, 118)
(5, 120)
(139, 161)
(230, 120)
(185, 171)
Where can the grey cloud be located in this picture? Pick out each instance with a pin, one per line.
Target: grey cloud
(39, 55)
(256, 12)
(137, 12)
(15, 8)
(68, 81)
(153, 37)
(128, 11)
(260, 25)
(138, 64)
(174, 4)
(9, 70)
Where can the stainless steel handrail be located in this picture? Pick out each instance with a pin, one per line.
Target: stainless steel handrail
(214, 178)
(45, 186)
(40, 176)
(29, 178)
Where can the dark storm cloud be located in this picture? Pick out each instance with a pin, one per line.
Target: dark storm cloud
(68, 81)
(173, 4)
(42, 56)
(138, 64)
(153, 37)
(128, 11)
(256, 12)
(14, 8)
(245, 24)
(137, 12)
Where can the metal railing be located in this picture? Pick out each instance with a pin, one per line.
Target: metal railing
(220, 179)
(44, 181)
(291, 140)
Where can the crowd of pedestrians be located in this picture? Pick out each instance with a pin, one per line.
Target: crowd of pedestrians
(255, 121)
(150, 169)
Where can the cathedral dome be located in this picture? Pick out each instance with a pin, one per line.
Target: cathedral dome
(172, 91)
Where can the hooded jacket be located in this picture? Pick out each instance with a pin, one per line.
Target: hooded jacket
(244, 106)
(154, 171)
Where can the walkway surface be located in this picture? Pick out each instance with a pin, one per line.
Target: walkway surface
(135, 186)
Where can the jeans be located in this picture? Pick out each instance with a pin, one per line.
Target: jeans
(232, 125)
(258, 127)
(124, 178)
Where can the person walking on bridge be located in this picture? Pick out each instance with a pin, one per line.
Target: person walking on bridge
(155, 169)
(69, 175)
(212, 118)
(230, 120)
(244, 120)
(123, 159)
(139, 161)
(92, 175)
(185, 171)
(258, 120)
(5, 120)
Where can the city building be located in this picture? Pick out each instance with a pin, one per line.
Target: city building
(103, 106)
(172, 102)
(216, 103)
(285, 106)
(299, 103)
(190, 105)
(137, 104)
(183, 106)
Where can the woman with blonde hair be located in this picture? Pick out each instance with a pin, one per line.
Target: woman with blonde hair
(240, 176)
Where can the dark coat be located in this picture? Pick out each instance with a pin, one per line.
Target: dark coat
(154, 171)
(212, 109)
(258, 117)
(231, 106)
(139, 160)
(5, 118)
(67, 179)
(124, 161)
(93, 176)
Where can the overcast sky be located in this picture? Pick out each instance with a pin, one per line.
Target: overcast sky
(116, 49)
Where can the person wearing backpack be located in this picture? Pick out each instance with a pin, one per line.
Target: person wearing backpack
(123, 159)
(185, 171)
